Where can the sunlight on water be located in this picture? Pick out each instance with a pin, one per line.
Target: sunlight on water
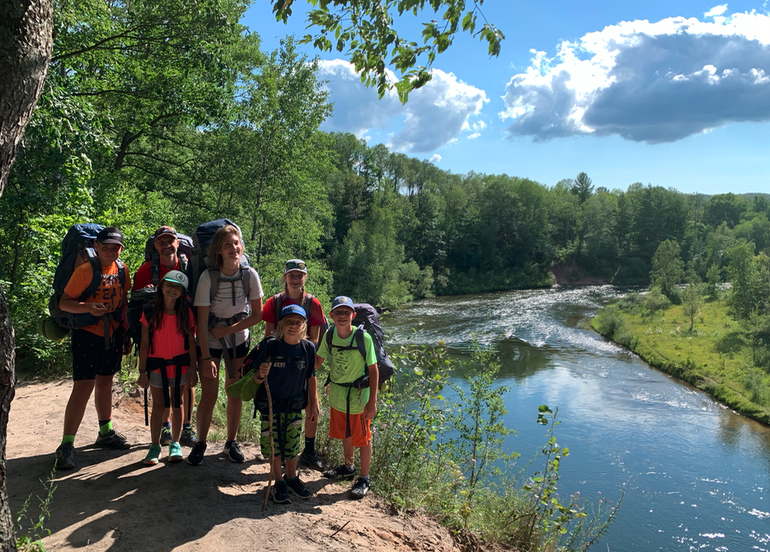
(694, 472)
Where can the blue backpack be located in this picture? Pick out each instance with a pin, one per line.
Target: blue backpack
(77, 249)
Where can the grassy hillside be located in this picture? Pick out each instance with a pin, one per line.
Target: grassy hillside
(713, 356)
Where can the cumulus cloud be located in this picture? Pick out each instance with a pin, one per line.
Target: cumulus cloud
(435, 158)
(435, 115)
(647, 82)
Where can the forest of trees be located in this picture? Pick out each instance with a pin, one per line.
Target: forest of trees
(157, 114)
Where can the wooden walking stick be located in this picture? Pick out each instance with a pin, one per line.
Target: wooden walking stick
(272, 443)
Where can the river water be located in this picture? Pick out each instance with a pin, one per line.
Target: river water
(696, 475)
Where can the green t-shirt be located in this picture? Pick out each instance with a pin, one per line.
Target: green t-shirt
(347, 366)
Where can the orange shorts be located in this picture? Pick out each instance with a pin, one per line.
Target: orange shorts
(359, 427)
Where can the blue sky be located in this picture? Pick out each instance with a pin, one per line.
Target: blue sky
(673, 94)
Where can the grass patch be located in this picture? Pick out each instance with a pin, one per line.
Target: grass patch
(714, 357)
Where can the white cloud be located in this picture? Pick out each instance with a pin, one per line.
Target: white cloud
(434, 116)
(651, 82)
(435, 159)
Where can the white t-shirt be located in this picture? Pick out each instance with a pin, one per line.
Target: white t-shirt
(222, 305)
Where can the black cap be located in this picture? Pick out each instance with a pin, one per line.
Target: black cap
(110, 235)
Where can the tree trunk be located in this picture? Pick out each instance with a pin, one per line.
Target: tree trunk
(25, 51)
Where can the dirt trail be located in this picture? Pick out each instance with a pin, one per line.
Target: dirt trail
(112, 502)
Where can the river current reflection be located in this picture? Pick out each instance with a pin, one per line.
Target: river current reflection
(696, 474)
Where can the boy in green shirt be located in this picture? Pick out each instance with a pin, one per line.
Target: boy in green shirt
(352, 393)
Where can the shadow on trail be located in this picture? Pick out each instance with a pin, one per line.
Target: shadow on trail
(168, 505)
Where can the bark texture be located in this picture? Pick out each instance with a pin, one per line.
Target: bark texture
(25, 50)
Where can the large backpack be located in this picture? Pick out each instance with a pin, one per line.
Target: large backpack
(367, 320)
(307, 305)
(199, 261)
(184, 252)
(77, 249)
(145, 296)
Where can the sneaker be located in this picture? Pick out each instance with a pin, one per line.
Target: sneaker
(196, 454)
(65, 457)
(360, 488)
(280, 493)
(233, 452)
(311, 459)
(165, 436)
(188, 438)
(175, 452)
(298, 488)
(113, 440)
(341, 473)
(153, 456)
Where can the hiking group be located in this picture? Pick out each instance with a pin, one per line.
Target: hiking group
(182, 342)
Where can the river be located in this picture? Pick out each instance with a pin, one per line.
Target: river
(695, 474)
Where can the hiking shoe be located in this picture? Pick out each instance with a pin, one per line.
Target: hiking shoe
(233, 452)
(153, 456)
(175, 452)
(280, 493)
(65, 456)
(312, 459)
(188, 438)
(113, 440)
(165, 436)
(360, 488)
(298, 488)
(196, 454)
(341, 473)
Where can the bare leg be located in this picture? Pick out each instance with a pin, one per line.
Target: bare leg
(176, 421)
(103, 397)
(76, 405)
(234, 406)
(209, 391)
(158, 413)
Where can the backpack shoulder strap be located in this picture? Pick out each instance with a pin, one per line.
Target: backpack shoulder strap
(277, 305)
(214, 277)
(245, 282)
(307, 304)
(360, 343)
(96, 276)
(329, 337)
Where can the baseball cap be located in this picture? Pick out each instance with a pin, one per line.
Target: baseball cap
(110, 235)
(164, 230)
(291, 309)
(178, 278)
(295, 264)
(342, 301)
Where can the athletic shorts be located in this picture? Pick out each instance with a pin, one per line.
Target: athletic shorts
(89, 357)
(359, 427)
(287, 431)
(156, 379)
(240, 351)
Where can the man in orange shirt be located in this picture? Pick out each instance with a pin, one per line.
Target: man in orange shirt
(97, 349)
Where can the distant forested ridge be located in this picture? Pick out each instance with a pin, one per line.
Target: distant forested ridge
(155, 114)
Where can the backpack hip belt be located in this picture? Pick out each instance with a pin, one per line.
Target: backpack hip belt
(159, 364)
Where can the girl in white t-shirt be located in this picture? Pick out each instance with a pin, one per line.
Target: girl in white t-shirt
(224, 319)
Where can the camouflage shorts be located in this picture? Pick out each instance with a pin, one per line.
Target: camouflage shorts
(287, 431)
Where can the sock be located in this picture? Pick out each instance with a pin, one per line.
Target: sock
(67, 439)
(167, 425)
(186, 426)
(105, 426)
(290, 478)
(310, 444)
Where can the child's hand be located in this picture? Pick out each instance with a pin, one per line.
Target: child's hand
(143, 381)
(370, 410)
(193, 381)
(97, 309)
(264, 369)
(207, 368)
(312, 412)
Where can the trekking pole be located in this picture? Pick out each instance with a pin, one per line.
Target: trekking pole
(146, 415)
(189, 405)
(272, 443)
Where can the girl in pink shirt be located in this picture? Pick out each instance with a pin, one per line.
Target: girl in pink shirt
(166, 352)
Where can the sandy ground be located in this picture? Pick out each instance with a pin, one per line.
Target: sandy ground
(112, 502)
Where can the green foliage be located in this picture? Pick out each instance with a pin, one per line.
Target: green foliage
(31, 532)
(365, 33)
(668, 270)
(654, 300)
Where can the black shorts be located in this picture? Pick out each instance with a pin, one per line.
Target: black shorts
(90, 358)
(240, 351)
